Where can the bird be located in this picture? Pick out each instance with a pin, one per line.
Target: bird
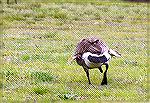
(92, 53)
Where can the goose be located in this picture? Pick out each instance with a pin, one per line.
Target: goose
(92, 53)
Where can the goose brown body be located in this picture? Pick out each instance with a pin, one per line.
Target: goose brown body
(94, 46)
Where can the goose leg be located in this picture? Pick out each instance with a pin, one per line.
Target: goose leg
(104, 81)
(100, 69)
(87, 74)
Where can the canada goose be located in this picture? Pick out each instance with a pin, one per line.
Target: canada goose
(93, 53)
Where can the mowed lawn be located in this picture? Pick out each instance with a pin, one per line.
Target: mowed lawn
(38, 38)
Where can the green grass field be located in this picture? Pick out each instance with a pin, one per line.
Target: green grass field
(38, 38)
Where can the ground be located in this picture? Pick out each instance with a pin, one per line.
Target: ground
(38, 38)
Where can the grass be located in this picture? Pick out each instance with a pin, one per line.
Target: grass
(40, 90)
(42, 76)
(38, 38)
